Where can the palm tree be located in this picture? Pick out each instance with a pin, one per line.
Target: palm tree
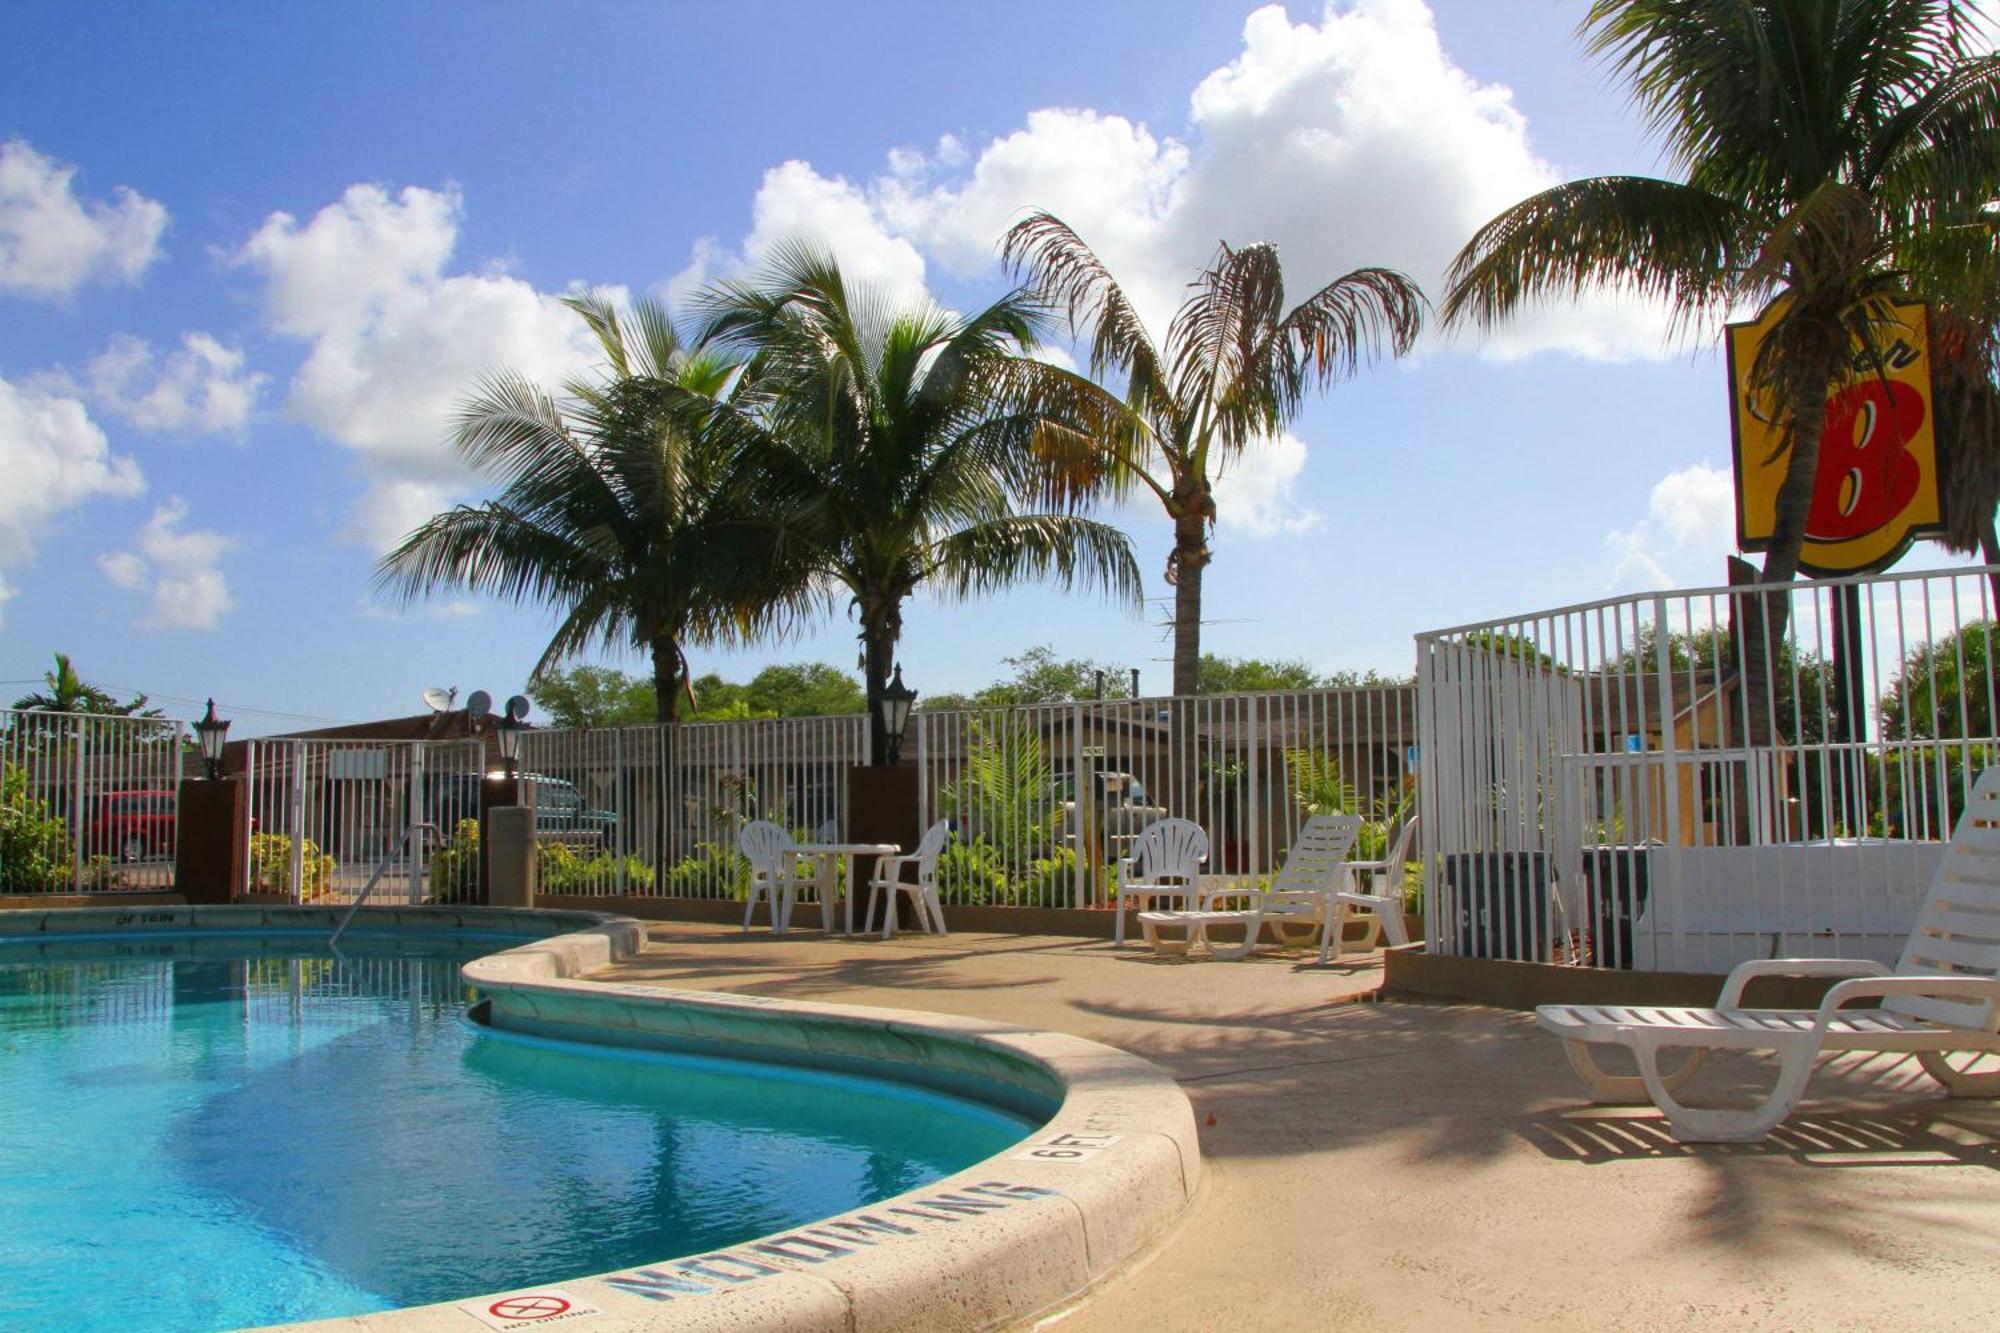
(64, 691)
(916, 448)
(1235, 371)
(1818, 139)
(636, 529)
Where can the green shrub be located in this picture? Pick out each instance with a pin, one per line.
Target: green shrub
(561, 868)
(271, 866)
(972, 872)
(714, 871)
(35, 850)
(454, 867)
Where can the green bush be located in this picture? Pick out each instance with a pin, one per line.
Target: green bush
(454, 867)
(972, 872)
(35, 850)
(561, 868)
(271, 866)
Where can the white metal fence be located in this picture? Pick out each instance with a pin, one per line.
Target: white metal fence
(1636, 782)
(326, 815)
(89, 801)
(1042, 799)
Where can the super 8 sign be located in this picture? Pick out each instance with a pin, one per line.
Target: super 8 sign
(1877, 488)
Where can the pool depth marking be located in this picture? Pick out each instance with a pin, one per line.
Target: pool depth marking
(1066, 1149)
(821, 1243)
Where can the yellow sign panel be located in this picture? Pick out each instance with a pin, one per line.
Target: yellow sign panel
(1877, 487)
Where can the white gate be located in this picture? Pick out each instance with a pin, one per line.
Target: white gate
(326, 814)
(91, 799)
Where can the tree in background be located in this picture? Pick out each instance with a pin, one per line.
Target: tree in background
(590, 696)
(1233, 371)
(617, 510)
(64, 691)
(912, 447)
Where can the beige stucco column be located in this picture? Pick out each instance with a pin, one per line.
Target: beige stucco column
(510, 856)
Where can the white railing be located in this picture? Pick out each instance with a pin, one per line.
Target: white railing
(91, 801)
(1617, 782)
(326, 816)
(647, 810)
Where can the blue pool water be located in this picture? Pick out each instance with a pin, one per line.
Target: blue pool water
(204, 1142)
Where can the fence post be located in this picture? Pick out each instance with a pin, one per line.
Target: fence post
(1253, 786)
(414, 867)
(1665, 890)
(79, 813)
(295, 814)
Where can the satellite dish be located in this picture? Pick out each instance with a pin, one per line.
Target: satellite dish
(517, 708)
(479, 703)
(441, 700)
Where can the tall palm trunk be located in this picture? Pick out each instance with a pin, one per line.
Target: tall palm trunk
(1989, 551)
(668, 679)
(1764, 630)
(1190, 558)
(881, 628)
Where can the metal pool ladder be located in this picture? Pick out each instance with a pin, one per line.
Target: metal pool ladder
(376, 878)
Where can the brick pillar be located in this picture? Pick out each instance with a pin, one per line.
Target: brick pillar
(211, 836)
(882, 807)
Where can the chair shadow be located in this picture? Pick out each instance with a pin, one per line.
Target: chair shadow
(1940, 1133)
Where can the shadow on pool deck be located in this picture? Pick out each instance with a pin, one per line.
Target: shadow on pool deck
(1435, 1166)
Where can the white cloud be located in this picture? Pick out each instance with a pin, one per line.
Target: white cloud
(52, 457)
(396, 343)
(1689, 528)
(52, 242)
(179, 569)
(794, 202)
(1350, 141)
(1257, 491)
(203, 388)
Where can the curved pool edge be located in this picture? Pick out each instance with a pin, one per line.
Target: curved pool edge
(1112, 1169)
(1025, 1231)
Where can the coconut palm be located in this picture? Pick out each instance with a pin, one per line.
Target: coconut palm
(64, 691)
(1235, 371)
(916, 448)
(1816, 139)
(637, 530)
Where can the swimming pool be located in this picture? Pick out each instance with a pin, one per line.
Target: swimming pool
(207, 1131)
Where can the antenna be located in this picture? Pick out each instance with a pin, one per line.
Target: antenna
(440, 699)
(479, 703)
(517, 708)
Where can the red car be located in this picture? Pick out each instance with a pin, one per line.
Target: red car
(131, 825)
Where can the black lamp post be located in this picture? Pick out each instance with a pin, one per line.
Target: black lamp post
(894, 710)
(508, 730)
(213, 733)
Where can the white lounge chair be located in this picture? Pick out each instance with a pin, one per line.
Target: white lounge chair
(1942, 999)
(1165, 862)
(1378, 888)
(764, 844)
(923, 890)
(1301, 900)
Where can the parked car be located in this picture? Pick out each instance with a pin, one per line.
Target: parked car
(1123, 808)
(560, 809)
(131, 825)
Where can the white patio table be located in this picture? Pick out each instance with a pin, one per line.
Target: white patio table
(819, 850)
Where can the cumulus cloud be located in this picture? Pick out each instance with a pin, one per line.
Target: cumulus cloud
(202, 388)
(52, 241)
(178, 569)
(396, 343)
(1348, 141)
(794, 202)
(1690, 525)
(52, 457)
(1256, 492)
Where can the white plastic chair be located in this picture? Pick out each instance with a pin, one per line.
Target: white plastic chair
(1942, 999)
(1165, 862)
(764, 845)
(923, 890)
(1378, 888)
(1300, 900)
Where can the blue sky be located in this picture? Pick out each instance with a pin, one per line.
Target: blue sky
(246, 268)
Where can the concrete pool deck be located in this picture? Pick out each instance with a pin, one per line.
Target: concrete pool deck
(1394, 1165)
